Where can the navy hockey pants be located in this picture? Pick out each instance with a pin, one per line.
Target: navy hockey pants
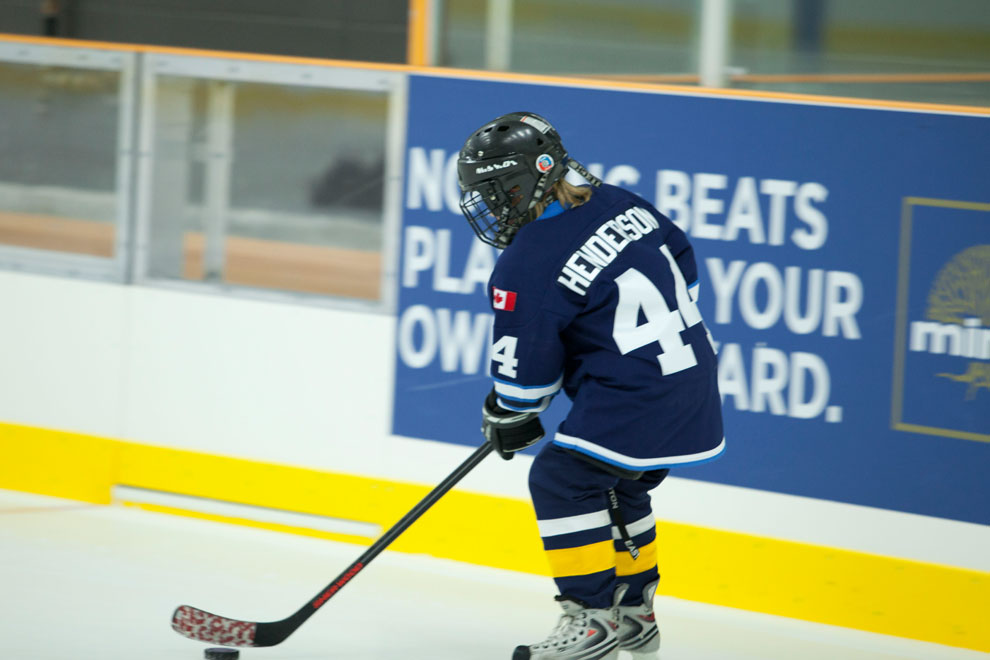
(587, 557)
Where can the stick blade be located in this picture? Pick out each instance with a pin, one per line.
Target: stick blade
(203, 626)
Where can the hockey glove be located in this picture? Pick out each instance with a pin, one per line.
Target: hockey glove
(509, 430)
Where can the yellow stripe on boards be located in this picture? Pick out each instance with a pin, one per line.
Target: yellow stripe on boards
(647, 559)
(469, 527)
(583, 560)
(69, 465)
(247, 522)
(840, 587)
(924, 601)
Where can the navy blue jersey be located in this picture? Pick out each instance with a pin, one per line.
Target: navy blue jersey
(600, 301)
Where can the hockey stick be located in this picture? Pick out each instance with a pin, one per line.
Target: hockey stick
(211, 628)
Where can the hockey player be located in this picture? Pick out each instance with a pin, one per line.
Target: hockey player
(594, 294)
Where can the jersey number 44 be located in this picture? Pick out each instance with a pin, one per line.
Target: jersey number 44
(662, 325)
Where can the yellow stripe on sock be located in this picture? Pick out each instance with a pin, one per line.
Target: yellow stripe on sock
(582, 560)
(626, 565)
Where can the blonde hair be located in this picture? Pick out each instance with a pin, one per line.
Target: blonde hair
(565, 192)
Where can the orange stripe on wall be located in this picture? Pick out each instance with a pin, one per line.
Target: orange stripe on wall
(845, 78)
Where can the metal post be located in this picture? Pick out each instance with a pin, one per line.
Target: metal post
(127, 166)
(216, 203)
(713, 46)
(395, 148)
(433, 11)
(165, 183)
(809, 31)
(498, 35)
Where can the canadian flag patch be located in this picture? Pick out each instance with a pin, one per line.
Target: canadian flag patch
(504, 300)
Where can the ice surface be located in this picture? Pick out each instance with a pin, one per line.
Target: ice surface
(80, 582)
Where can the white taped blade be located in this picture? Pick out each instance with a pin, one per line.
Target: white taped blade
(211, 628)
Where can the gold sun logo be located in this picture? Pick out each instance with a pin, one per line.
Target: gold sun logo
(961, 295)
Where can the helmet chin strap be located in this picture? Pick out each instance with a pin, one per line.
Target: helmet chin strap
(507, 231)
(538, 193)
(583, 171)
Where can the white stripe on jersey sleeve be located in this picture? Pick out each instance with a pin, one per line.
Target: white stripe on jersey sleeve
(527, 392)
(570, 524)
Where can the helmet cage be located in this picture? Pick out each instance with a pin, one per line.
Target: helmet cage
(493, 212)
(497, 208)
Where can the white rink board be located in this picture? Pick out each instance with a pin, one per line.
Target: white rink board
(85, 581)
(311, 387)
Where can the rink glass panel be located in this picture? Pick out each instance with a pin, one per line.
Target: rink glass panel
(892, 49)
(577, 36)
(906, 50)
(64, 175)
(263, 185)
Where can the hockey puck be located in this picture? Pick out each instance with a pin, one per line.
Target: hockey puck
(221, 654)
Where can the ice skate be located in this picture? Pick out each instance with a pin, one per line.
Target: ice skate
(638, 632)
(582, 633)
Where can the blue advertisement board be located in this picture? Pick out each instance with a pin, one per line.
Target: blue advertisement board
(844, 259)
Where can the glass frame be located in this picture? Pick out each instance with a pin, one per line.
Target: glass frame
(117, 267)
(273, 71)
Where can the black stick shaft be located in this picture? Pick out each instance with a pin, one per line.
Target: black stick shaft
(267, 634)
(434, 495)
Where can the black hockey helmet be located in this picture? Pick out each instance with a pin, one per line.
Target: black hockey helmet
(505, 169)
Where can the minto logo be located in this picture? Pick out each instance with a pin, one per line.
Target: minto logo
(958, 316)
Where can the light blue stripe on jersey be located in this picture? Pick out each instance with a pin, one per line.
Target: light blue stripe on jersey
(519, 406)
(631, 463)
(552, 209)
(524, 393)
(693, 290)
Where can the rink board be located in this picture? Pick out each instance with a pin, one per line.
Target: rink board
(843, 255)
(923, 601)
